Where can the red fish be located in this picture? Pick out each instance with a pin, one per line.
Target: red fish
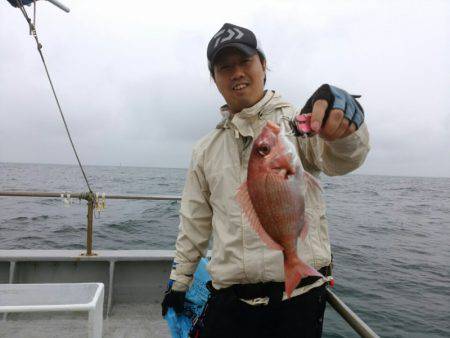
(273, 199)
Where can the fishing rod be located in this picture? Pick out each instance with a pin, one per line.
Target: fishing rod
(59, 5)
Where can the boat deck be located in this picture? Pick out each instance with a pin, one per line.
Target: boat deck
(134, 281)
(126, 320)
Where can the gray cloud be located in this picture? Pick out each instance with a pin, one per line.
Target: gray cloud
(135, 89)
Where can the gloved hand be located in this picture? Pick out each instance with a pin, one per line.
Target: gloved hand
(347, 115)
(173, 299)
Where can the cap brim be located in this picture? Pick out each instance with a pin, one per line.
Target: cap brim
(247, 50)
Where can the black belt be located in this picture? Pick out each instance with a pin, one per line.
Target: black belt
(273, 290)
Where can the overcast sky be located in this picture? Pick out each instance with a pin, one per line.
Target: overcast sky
(133, 82)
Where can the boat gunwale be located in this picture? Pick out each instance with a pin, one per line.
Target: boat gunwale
(77, 255)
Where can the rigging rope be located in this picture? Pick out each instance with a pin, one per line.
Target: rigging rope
(39, 48)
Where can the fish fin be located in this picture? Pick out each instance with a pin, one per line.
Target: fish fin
(294, 270)
(304, 231)
(312, 180)
(243, 198)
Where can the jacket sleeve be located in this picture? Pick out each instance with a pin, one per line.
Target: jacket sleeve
(195, 226)
(337, 157)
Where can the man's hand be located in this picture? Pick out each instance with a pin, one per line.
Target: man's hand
(174, 299)
(330, 112)
(336, 126)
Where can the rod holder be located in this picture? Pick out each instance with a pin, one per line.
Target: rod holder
(349, 316)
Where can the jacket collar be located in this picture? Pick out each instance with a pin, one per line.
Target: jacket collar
(252, 111)
(249, 121)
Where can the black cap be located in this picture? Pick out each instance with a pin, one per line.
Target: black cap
(232, 36)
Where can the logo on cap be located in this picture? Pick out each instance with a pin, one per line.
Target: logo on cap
(231, 33)
(234, 36)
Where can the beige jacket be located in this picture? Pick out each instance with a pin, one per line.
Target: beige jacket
(209, 208)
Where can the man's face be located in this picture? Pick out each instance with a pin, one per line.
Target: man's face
(239, 78)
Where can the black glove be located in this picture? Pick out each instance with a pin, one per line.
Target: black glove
(337, 99)
(173, 299)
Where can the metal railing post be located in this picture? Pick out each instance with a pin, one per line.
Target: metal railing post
(90, 219)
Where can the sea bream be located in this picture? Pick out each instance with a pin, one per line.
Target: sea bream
(273, 199)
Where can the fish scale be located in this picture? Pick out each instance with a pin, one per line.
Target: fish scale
(284, 212)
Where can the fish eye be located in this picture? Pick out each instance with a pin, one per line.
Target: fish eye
(263, 149)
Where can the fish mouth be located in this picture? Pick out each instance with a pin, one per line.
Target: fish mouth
(283, 165)
(283, 172)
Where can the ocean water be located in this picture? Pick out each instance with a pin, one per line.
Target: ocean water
(390, 235)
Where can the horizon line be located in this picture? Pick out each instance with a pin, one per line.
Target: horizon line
(162, 167)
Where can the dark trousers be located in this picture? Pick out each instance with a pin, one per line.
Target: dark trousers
(299, 317)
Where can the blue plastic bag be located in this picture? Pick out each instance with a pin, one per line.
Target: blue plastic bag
(196, 297)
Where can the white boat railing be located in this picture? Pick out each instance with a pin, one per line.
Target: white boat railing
(357, 324)
(91, 200)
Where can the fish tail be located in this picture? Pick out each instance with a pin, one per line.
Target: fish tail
(294, 270)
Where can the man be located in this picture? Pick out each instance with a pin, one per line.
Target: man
(247, 298)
